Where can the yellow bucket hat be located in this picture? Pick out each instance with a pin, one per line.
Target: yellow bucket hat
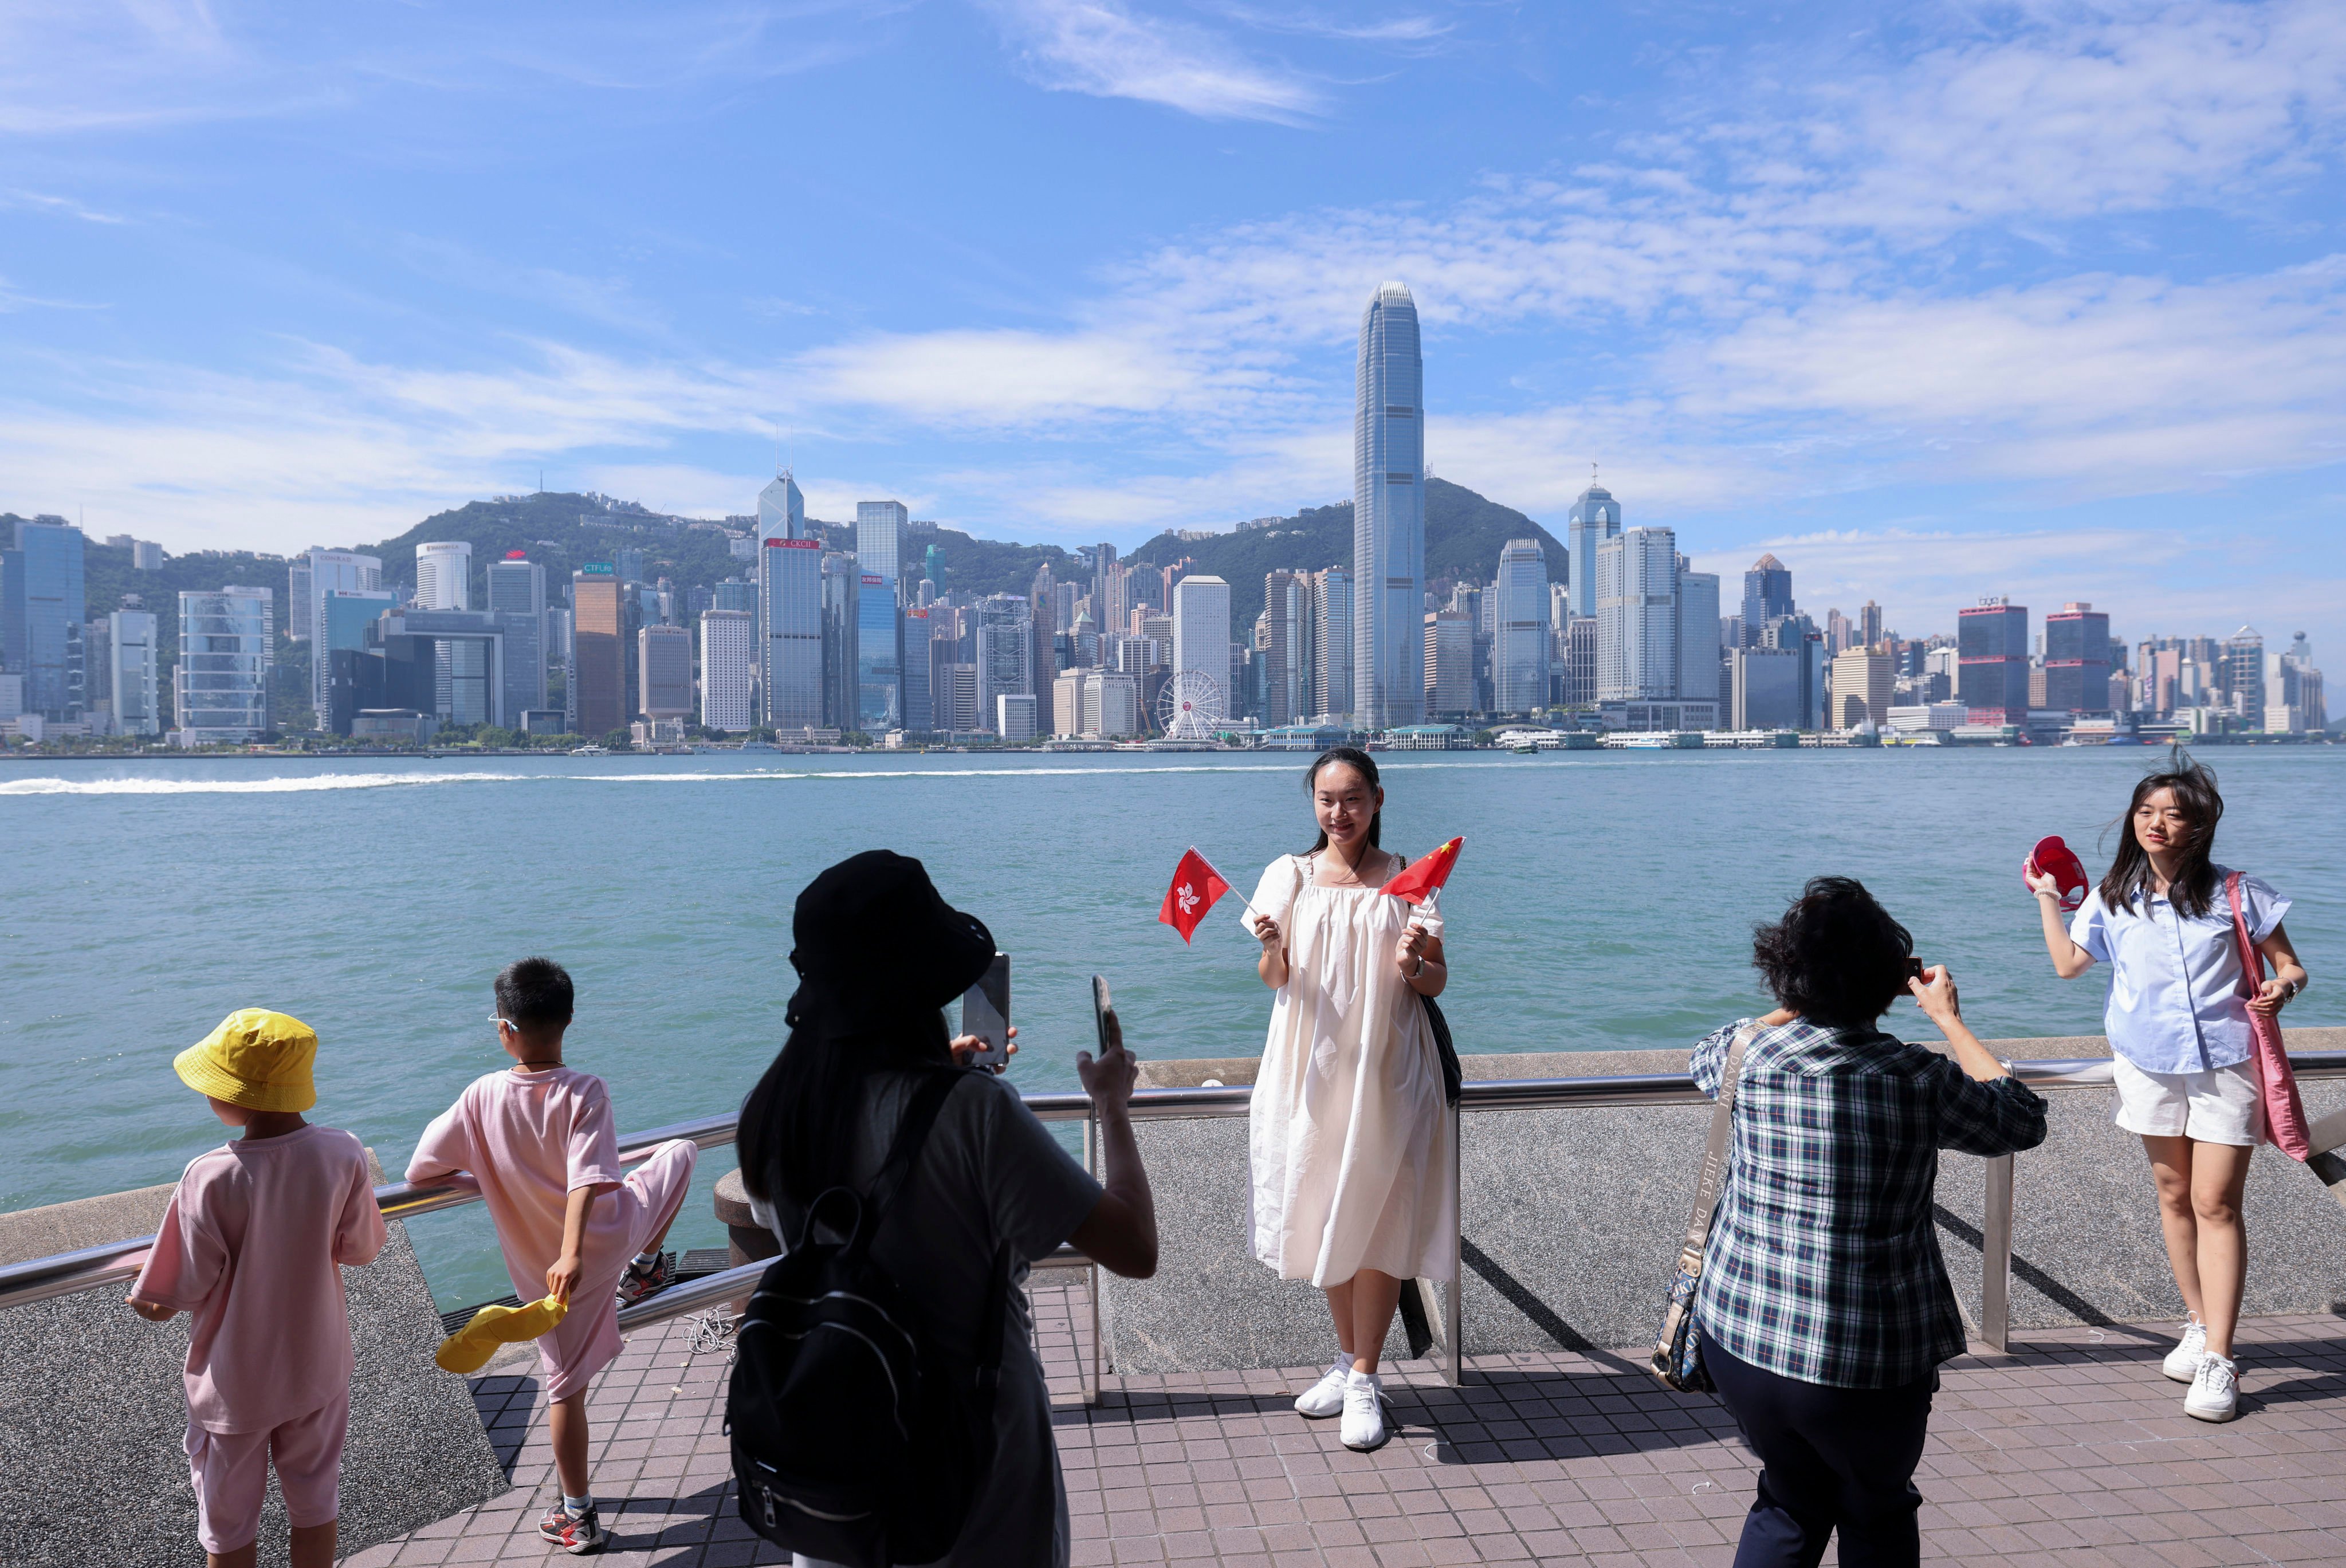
(257, 1059)
(468, 1350)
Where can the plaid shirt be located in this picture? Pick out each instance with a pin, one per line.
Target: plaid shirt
(1823, 1265)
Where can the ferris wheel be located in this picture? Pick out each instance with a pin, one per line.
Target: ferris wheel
(1190, 706)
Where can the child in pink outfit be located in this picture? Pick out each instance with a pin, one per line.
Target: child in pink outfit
(540, 1140)
(251, 1248)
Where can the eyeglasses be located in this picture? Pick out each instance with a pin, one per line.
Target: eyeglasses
(505, 1022)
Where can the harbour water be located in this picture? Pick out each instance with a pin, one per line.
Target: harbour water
(1604, 901)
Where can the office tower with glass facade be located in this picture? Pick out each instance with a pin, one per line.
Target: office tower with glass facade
(598, 662)
(1595, 517)
(299, 595)
(879, 537)
(841, 605)
(443, 575)
(2077, 659)
(41, 611)
(664, 672)
(734, 594)
(517, 588)
(789, 643)
(1861, 683)
(1520, 637)
(1331, 643)
(221, 687)
(879, 657)
(781, 510)
(1288, 628)
(1767, 595)
(1201, 632)
(1106, 590)
(1014, 715)
(1697, 652)
(132, 678)
(1991, 661)
(1766, 689)
(1638, 616)
(1388, 513)
(1578, 688)
(2240, 674)
(1449, 663)
(728, 669)
(920, 711)
(330, 572)
(1006, 656)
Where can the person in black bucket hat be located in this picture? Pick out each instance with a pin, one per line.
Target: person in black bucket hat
(876, 945)
(878, 954)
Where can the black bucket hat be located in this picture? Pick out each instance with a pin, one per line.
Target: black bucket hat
(875, 943)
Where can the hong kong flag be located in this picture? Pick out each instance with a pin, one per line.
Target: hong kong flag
(1196, 886)
(1423, 876)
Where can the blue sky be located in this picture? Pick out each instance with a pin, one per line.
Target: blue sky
(2046, 299)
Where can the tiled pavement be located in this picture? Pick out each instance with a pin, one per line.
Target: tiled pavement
(2073, 1450)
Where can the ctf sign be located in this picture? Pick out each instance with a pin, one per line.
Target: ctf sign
(1196, 886)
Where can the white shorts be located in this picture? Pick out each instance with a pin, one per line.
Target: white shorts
(2222, 1105)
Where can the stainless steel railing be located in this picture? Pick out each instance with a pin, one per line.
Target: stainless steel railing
(93, 1267)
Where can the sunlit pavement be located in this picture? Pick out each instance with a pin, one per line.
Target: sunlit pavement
(2072, 1451)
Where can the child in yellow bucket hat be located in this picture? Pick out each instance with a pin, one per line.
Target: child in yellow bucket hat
(252, 1246)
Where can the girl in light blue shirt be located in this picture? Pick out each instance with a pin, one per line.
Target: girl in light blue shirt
(2182, 1055)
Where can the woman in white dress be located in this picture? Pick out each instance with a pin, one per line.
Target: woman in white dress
(1348, 1134)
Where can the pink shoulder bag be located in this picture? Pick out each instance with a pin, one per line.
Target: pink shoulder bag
(2277, 1081)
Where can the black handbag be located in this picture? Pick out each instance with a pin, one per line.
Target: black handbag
(1452, 1076)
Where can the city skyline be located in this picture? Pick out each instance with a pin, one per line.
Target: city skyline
(2055, 239)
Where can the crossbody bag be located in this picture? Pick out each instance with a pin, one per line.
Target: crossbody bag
(1677, 1352)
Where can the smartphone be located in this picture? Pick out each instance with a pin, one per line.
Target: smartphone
(1102, 1010)
(985, 1013)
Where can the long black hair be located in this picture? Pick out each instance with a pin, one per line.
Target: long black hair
(1361, 762)
(798, 1125)
(2193, 889)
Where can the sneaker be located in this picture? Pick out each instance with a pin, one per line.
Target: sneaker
(1326, 1396)
(2182, 1362)
(1364, 1429)
(2215, 1393)
(639, 1282)
(576, 1533)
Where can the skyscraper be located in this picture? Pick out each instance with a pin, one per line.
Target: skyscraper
(41, 611)
(919, 707)
(221, 687)
(131, 652)
(2077, 659)
(1388, 514)
(879, 656)
(1636, 615)
(878, 534)
(1006, 659)
(729, 668)
(1106, 590)
(517, 587)
(598, 699)
(1286, 645)
(1869, 626)
(1991, 646)
(1595, 517)
(781, 510)
(331, 572)
(1448, 654)
(789, 633)
(1331, 647)
(443, 575)
(1697, 651)
(1519, 629)
(1767, 595)
(842, 609)
(1201, 632)
(664, 672)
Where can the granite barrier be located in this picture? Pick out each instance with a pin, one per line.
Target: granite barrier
(1572, 1220)
(93, 1420)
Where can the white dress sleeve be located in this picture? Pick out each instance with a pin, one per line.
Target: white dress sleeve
(1274, 895)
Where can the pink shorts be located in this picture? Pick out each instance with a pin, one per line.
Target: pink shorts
(589, 1339)
(230, 1469)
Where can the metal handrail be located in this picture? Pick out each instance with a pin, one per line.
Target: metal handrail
(92, 1267)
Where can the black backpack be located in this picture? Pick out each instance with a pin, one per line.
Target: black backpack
(854, 1440)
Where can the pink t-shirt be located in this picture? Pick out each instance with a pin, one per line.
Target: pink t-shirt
(248, 1247)
(529, 1138)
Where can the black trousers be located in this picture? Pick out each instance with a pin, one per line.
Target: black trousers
(1832, 1459)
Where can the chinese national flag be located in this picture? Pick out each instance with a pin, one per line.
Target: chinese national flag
(1196, 886)
(1423, 876)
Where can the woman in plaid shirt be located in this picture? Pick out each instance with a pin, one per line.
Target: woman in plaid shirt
(1824, 1309)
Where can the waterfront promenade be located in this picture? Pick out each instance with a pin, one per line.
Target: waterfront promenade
(2072, 1451)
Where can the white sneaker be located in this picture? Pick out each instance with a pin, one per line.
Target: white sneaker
(2182, 1362)
(2215, 1393)
(1326, 1396)
(1364, 1428)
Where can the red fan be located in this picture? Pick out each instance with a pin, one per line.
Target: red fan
(2054, 858)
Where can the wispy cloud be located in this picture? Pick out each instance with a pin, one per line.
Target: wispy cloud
(1110, 50)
